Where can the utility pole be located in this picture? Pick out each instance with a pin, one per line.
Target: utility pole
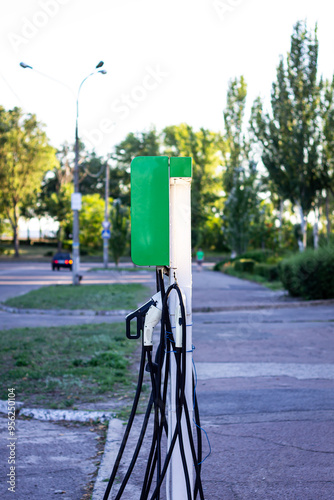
(76, 206)
(106, 224)
(76, 197)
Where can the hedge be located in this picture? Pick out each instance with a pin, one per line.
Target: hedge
(268, 271)
(309, 274)
(257, 255)
(244, 265)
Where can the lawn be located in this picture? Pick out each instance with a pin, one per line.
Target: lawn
(94, 297)
(59, 367)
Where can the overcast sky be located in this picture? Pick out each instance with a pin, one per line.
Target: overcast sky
(167, 61)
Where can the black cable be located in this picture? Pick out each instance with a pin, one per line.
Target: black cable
(158, 370)
(199, 441)
(129, 425)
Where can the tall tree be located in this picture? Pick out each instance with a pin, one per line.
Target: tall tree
(290, 135)
(140, 144)
(241, 207)
(54, 198)
(240, 176)
(328, 147)
(25, 155)
(119, 216)
(203, 147)
(235, 148)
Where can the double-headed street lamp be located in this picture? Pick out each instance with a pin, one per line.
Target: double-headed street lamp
(76, 197)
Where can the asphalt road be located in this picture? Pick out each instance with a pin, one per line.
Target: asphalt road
(265, 388)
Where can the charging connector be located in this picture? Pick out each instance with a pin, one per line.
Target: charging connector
(152, 318)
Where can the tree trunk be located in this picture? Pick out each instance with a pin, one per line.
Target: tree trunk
(14, 222)
(316, 228)
(303, 224)
(40, 230)
(60, 238)
(16, 241)
(280, 234)
(328, 225)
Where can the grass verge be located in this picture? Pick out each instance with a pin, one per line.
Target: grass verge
(273, 285)
(60, 367)
(94, 297)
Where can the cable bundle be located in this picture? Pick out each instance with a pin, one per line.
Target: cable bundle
(157, 465)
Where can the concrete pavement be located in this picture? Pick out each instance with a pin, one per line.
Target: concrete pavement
(265, 391)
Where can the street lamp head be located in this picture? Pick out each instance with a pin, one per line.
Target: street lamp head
(24, 65)
(103, 71)
(99, 65)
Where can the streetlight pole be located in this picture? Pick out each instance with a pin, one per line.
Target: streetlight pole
(76, 197)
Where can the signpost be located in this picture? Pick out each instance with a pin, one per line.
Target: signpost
(105, 234)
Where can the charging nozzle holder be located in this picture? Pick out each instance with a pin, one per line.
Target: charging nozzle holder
(140, 314)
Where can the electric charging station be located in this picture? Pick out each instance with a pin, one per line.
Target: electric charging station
(161, 237)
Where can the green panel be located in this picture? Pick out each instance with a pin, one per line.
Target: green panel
(180, 167)
(150, 211)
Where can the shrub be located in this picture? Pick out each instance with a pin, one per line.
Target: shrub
(268, 271)
(244, 265)
(309, 274)
(257, 255)
(219, 265)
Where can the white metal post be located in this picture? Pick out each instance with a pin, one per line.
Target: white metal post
(180, 271)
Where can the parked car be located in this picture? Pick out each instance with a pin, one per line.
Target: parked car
(61, 259)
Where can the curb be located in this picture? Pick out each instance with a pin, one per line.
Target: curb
(48, 415)
(208, 309)
(277, 305)
(113, 441)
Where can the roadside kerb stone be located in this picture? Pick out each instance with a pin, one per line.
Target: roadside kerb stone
(48, 415)
(124, 312)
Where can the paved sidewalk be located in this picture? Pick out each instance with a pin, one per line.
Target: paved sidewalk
(265, 390)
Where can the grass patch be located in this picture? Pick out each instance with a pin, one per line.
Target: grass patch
(273, 285)
(94, 297)
(59, 367)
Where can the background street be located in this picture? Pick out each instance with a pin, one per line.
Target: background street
(265, 389)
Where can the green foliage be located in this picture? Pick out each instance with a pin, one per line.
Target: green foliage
(235, 147)
(91, 217)
(119, 217)
(202, 147)
(241, 208)
(268, 271)
(257, 255)
(310, 274)
(291, 136)
(25, 156)
(244, 265)
(140, 144)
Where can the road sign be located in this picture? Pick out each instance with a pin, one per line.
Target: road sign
(105, 233)
(76, 201)
(106, 224)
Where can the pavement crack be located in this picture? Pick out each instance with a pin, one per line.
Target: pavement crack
(283, 445)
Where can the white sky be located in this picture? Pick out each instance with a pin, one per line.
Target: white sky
(194, 50)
